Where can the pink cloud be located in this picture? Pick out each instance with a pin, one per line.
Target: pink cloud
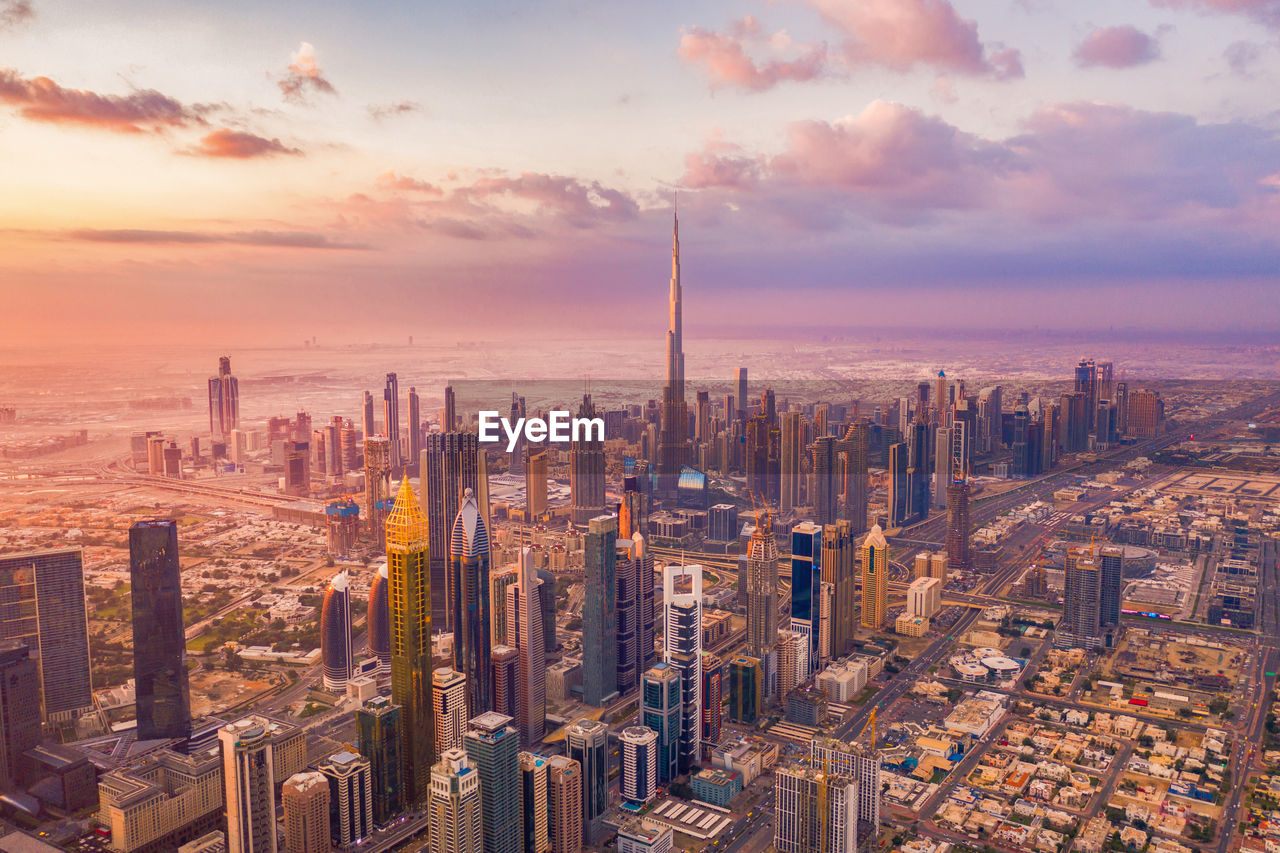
(1265, 12)
(41, 99)
(902, 34)
(582, 203)
(304, 76)
(378, 112)
(239, 145)
(720, 164)
(15, 12)
(1117, 47)
(727, 59)
(391, 181)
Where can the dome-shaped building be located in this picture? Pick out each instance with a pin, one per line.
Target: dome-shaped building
(380, 620)
(335, 633)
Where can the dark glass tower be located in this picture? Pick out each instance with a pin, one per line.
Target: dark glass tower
(19, 712)
(586, 472)
(494, 747)
(451, 462)
(378, 725)
(599, 616)
(42, 602)
(469, 572)
(159, 641)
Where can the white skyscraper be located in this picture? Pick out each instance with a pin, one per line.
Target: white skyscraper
(449, 694)
(249, 780)
(524, 628)
(682, 650)
(454, 805)
(639, 764)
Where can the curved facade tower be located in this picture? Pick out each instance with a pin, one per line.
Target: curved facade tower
(335, 633)
(380, 621)
(469, 572)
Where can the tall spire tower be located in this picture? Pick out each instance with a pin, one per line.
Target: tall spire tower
(675, 411)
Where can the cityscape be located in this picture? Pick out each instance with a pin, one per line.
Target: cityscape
(940, 514)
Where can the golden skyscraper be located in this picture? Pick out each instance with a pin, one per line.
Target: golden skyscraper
(875, 578)
(409, 601)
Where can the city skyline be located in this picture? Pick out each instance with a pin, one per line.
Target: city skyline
(1039, 159)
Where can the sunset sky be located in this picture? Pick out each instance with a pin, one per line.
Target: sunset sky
(236, 171)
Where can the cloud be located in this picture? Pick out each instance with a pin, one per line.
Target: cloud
(380, 112)
(282, 239)
(304, 77)
(727, 60)
(144, 110)
(1242, 57)
(580, 203)
(1072, 164)
(15, 12)
(721, 164)
(1116, 47)
(391, 181)
(1265, 12)
(239, 145)
(903, 34)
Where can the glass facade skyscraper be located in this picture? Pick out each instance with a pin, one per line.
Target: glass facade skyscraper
(159, 640)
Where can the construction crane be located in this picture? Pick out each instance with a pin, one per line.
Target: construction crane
(870, 723)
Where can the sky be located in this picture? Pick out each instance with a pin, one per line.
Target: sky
(236, 172)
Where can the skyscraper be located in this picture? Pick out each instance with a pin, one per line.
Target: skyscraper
(682, 649)
(493, 746)
(547, 598)
(586, 471)
(712, 700)
(19, 713)
(1081, 625)
(826, 479)
(875, 578)
(806, 580)
(224, 402)
(524, 628)
(1111, 560)
(378, 619)
(959, 553)
(409, 586)
(899, 496)
(451, 463)
(469, 571)
(378, 728)
(564, 804)
(672, 443)
(498, 583)
(762, 590)
(377, 484)
(391, 420)
(335, 633)
(449, 692)
(449, 414)
(249, 780)
(305, 797)
(350, 797)
(159, 643)
(648, 607)
(839, 568)
(535, 486)
(505, 669)
(43, 595)
(816, 811)
(746, 689)
(368, 425)
(741, 413)
(639, 764)
(533, 786)
(661, 711)
(456, 813)
(792, 430)
(415, 427)
(587, 743)
(599, 616)
(627, 615)
(857, 449)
